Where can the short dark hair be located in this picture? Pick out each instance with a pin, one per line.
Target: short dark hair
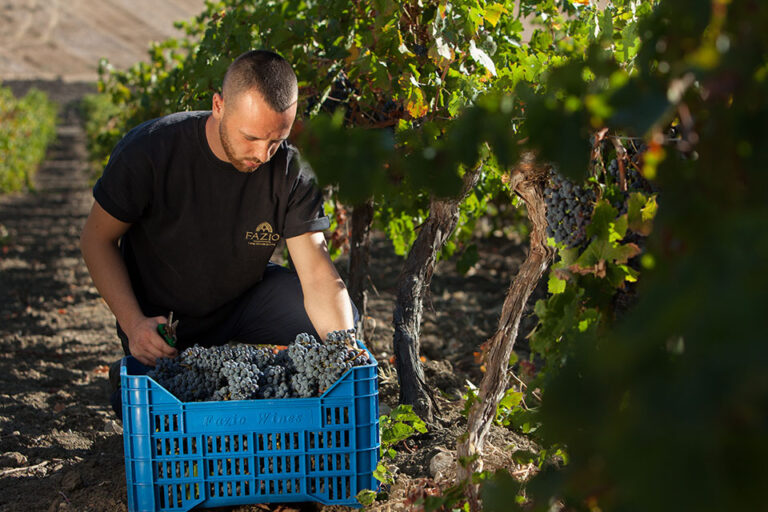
(266, 72)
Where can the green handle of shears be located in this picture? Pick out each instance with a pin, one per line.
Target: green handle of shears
(170, 340)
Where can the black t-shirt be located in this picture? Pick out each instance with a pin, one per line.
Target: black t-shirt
(202, 232)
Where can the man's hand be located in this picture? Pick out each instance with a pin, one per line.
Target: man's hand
(99, 243)
(145, 343)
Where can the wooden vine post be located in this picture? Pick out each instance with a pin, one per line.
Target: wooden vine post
(412, 286)
(527, 182)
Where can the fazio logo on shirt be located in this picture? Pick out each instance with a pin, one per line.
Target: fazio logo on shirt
(262, 235)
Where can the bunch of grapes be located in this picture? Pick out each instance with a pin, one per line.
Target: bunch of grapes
(635, 180)
(242, 380)
(275, 382)
(318, 365)
(569, 210)
(188, 383)
(246, 372)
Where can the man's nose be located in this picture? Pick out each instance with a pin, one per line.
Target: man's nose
(261, 151)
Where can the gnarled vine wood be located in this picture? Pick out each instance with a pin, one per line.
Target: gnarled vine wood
(528, 182)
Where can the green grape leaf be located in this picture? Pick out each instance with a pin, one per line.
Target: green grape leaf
(556, 316)
(555, 285)
(366, 497)
(475, 16)
(511, 399)
(603, 218)
(599, 253)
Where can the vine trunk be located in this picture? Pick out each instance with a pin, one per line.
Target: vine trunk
(359, 259)
(412, 286)
(527, 182)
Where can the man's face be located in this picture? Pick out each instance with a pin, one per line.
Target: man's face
(250, 131)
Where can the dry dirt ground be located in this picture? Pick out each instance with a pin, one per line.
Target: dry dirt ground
(61, 447)
(66, 38)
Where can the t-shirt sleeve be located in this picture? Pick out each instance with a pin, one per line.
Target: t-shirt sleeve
(124, 190)
(305, 201)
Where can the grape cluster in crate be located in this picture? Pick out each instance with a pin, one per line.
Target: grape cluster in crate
(245, 372)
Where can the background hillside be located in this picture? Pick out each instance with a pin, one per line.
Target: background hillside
(50, 39)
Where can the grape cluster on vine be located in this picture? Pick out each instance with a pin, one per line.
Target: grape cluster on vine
(569, 209)
(635, 181)
(570, 206)
(305, 369)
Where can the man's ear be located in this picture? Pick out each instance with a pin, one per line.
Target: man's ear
(217, 106)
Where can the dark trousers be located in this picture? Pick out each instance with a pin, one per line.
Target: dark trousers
(272, 312)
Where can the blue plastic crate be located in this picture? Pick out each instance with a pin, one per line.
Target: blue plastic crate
(181, 455)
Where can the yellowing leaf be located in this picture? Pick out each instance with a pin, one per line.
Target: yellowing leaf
(640, 212)
(493, 13)
(649, 210)
(416, 106)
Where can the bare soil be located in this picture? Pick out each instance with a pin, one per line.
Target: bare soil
(61, 447)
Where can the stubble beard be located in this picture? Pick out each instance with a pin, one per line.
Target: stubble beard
(238, 164)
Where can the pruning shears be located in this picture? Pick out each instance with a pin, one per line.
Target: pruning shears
(168, 331)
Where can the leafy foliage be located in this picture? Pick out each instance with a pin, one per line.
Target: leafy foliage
(102, 128)
(664, 408)
(27, 127)
(400, 424)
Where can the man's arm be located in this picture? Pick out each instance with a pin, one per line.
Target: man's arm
(98, 243)
(325, 296)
